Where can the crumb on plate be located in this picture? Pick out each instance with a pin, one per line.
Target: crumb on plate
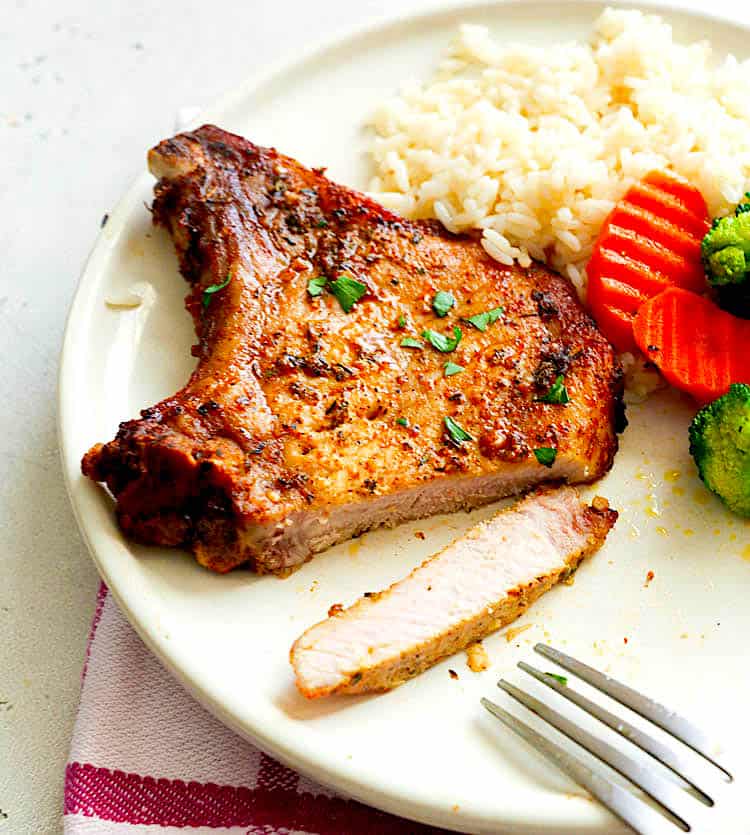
(476, 657)
(514, 632)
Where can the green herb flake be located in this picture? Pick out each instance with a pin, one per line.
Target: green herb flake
(442, 303)
(322, 223)
(482, 321)
(411, 342)
(456, 432)
(557, 394)
(546, 455)
(315, 286)
(402, 321)
(402, 421)
(560, 679)
(214, 288)
(347, 290)
(450, 368)
(441, 342)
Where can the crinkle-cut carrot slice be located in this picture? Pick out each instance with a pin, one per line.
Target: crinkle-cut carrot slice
(698, 347)
(650, 241)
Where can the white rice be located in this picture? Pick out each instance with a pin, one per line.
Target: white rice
(534, 145)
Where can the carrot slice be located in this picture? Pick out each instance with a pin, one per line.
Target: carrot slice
(650, 241)
(679, 188)
(698, 347)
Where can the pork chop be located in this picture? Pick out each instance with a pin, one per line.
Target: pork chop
(479, 583)
(308, 418)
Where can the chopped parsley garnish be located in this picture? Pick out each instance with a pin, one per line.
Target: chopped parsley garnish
(442, 303)
(322, 223)
(411, 342)
(315, 286)
(482, 321)
(402, 421)
(557, 394)
(560, 679)
(402, 321)
(546, 455)
(450, 368)
(347, 290)
(441, 342)
(457, 433)
(214, 288)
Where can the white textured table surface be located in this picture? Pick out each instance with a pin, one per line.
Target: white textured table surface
(85, 88)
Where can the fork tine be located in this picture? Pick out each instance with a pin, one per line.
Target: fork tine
(668, 720)
(669, 795)
(627, 807)
(675, 760)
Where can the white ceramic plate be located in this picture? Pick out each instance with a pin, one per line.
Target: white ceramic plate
(426, 750)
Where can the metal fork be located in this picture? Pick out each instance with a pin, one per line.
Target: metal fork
(705, 801)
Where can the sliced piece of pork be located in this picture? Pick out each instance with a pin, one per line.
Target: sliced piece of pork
(479, 583)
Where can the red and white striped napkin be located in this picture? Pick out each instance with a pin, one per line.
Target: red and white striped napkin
(145, 757)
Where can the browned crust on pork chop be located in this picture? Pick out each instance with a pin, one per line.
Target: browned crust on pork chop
(286, 438)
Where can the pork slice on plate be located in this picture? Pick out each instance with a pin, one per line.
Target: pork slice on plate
(479, 583)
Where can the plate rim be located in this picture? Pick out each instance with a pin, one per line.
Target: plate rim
(386, 795)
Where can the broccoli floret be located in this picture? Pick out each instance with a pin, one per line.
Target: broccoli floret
(720, 445)
(743, 207)
(726, 250)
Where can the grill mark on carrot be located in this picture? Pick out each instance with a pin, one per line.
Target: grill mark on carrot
(701, 348)
(622, 296)
(632, 272)
(666, 206)
(647, 251)
(646, 222)
(686, 194)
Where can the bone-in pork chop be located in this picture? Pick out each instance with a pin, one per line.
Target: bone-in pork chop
(322, 404)
(479, 583)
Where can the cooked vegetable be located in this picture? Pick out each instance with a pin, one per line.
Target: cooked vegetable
(650, 241)
(726, 248)
(726, 257)
(698, 347)
(720, 445)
